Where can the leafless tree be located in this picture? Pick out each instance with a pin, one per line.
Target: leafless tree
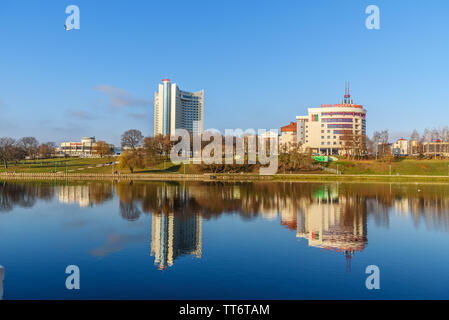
(7, 150)
(132, 139)
(414, 135)
(30, 146)
(47, 150)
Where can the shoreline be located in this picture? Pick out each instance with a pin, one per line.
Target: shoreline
(225, 177)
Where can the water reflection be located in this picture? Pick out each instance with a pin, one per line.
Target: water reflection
(172, 236)
(330, 216)
(334, 223)
(2, 280)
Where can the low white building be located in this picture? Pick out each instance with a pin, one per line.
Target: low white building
(400, 148)
(85, 148)
(78, 149)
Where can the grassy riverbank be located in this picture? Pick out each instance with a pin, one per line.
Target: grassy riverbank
(406, 170)
(397, 167)
(67, 165)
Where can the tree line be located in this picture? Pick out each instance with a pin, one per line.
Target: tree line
(139, 152)
(12, 150)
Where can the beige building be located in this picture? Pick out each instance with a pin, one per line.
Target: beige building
(435, 148)
(334, 128)
(177, 109)
(400, 148)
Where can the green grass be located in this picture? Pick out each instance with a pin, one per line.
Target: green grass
(361, 178)
(74, 165)
(87, 165)
(398, 166)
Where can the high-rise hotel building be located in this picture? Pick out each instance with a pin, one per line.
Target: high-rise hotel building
(327, 130)
(177, 109)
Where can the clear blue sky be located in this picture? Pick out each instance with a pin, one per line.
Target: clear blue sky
(261, 63)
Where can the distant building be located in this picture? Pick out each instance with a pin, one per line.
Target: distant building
(400, 148)
(415, 147)
(333, 129)
(288, 135)
(85, 148)
(434, 148)
(177, 109)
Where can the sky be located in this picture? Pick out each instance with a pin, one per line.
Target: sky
(260, 63)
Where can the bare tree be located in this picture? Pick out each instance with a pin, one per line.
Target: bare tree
(376, 140)
(384, 137)
(30, 146)
(444, 133)
(47, 150)
(435, 134)
(7, 150)
(414, 135)
(132, 139)
(427, 136)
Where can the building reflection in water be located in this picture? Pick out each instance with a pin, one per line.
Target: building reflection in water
(176, 226)
(172, 237)
(86, 194)
(333, 223)
(330, 216)
(75, 195)
(2, 281)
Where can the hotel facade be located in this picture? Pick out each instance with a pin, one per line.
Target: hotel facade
(85, 148)
(333, 129)
(177, 109)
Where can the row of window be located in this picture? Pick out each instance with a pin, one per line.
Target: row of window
(339, 126)
(337, 120)
(343, 114)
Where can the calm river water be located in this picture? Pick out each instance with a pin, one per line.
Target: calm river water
(212, 240)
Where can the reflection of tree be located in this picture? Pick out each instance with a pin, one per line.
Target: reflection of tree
(25, 194)
(426, 204)
(129, 211)
(22, 194)
(100, 192)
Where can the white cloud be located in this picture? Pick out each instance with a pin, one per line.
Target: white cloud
(121, 98)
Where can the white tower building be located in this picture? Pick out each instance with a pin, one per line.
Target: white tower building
(177, 109)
